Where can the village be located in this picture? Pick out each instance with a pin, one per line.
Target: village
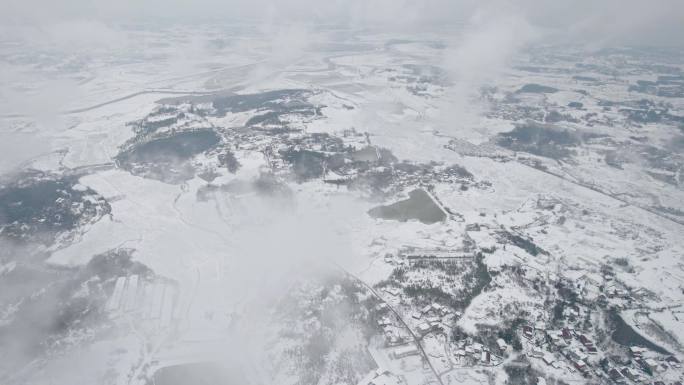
(563, 344)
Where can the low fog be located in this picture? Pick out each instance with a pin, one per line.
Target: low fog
(481, 37)
(613, 20)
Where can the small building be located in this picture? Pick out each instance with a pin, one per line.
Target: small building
(583, 339)
(472, 227)
(392, 338)
(566, 334)
(581, 366)
(485, 357)
(554, 337)
(672, 360)
(636, 351)
(548, 358)
(578, 364)
(528, 332)
(384, 321)
(424, 328)
(630, 373)
(650, 365)
(537, 352)
(616, 376)
(381, 377)
(406, 351)
(503, 346)
(576, 354)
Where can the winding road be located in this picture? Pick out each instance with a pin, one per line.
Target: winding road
(416, 339)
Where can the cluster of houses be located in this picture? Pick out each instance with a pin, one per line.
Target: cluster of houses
(568, 349)
(576, 349)
(649, 367)
(475, 353)
(629, 374)
(394, 335)
(430, 317)
(603, 287)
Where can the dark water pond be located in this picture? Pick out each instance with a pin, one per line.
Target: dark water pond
(305, 164)
(537, 89)
(543, 140)
(277, 99)
(169, 158)
(202, 373)
(419, 206)
(181, 146)
(38, 205)
(627, 336)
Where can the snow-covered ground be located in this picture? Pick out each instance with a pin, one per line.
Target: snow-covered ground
(222, 263)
